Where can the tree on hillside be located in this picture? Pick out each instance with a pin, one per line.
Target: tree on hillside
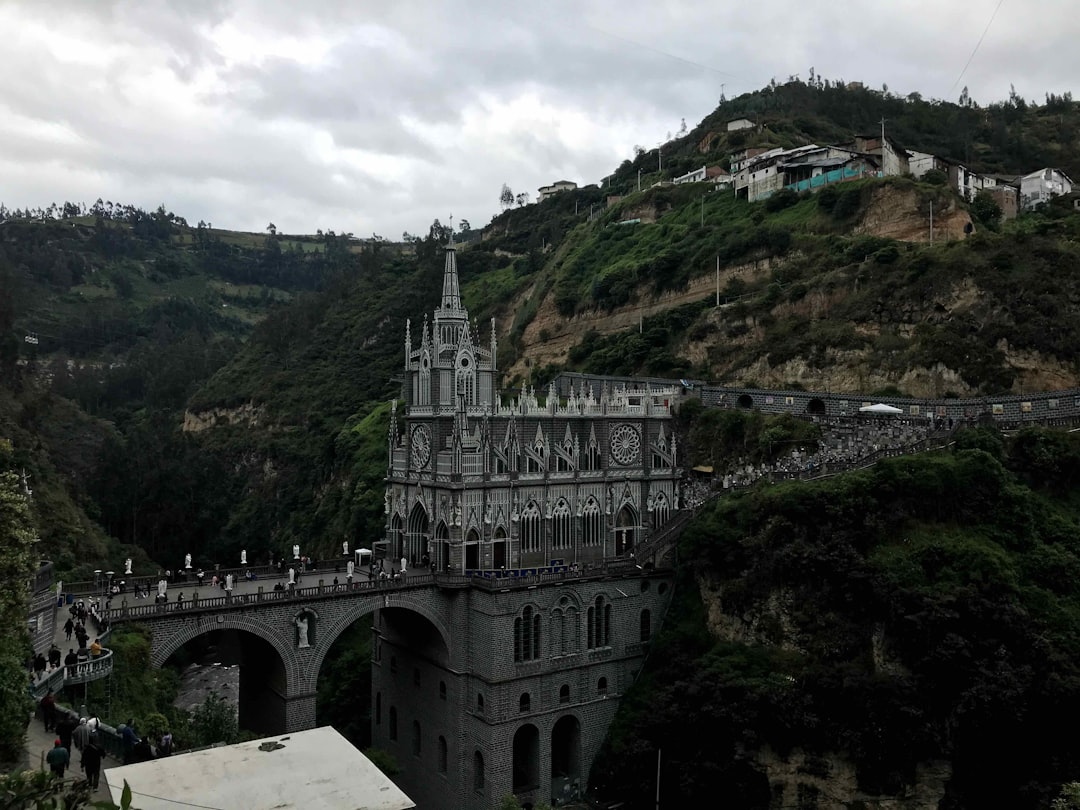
(522, 199)
(506, 197)
(17, 538)
(985, 210)
(464, 226)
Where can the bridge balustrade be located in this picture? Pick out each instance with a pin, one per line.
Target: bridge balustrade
(85, 671)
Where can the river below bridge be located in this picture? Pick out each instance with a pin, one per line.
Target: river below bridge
(198, 681)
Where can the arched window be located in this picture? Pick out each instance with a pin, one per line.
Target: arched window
(646, 625)
(530, 527)
(525, 703)
(570, 632)
(601, 686)
(599, 621)
(378, 708)
(661, 511)
(442, 754)
(561, 526)
(416, 738)
(527, 635)
(393, 723)
(592, 524)
(564, 693)
(478, 771)
(558, 628)
(479, 703)
(442, 690)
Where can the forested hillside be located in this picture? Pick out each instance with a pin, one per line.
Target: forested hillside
(196, 390)
(900, 636)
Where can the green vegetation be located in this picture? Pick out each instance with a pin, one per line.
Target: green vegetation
(923, 609)
(17, 565)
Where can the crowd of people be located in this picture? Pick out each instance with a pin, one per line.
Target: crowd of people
(844, 443)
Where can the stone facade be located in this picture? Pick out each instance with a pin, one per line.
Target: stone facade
(475, 483)
(528, 712)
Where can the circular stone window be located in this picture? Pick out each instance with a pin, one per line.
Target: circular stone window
(645, 585)
(625, 444)
(662, 589)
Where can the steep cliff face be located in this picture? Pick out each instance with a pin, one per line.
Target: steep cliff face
(800, 778)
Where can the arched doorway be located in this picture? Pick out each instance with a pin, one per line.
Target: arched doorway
(417, 538)
(472, 549)
(442, 542)
(745, 401)
(526, 767)
(816, 406)
(566, 757)
(396, 537)
(241, 668)
(498, 549)
(625, 530)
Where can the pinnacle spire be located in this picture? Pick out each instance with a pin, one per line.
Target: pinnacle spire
(451, 293)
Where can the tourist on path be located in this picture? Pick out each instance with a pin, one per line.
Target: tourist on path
(58, 758)
(81, 735)
(54, 657)
(65, 728)
(91, 763)
(48, 711)
(70, 660)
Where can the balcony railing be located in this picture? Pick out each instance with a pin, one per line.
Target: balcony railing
(93, 669)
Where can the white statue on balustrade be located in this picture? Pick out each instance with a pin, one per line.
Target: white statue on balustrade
(127, 566)
(187, 561)
(243, 557)
(296, 552)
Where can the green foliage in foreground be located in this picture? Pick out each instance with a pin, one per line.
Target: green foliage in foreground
(927, 608)
(17, 537)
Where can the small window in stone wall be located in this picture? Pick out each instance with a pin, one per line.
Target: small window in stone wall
(524, 702)
(564, 693)
(416, 676)
(479, 703)
(662, 589)
(645, 585)
(442, 754)
(601, 686)
(442, 690)
(478, 771)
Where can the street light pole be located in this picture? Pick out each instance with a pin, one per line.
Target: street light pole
(639, 179)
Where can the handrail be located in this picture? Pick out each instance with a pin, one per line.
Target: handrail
(92, 669)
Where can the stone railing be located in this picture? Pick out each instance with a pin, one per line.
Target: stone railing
(92, 669)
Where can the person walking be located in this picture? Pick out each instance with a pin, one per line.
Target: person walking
(65, 729)
(129, 740)
(95, 648)
(39, 666)
(69, 628)
(48, 711)
(54, 656)
(58, 758)
(70, 661)
(81, 735)
(91, 762)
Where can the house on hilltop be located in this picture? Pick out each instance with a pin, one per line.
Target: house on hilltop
(739, 123)
(559, 185)
(1039, 187)
(705, 174)
(892, 157)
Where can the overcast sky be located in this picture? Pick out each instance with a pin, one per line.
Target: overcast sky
(377, 116)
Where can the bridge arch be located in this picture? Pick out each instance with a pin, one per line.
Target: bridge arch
(169, 643)
(745, 401)
(816, 406)
(359, 608)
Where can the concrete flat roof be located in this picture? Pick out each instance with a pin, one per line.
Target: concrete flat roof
(313, 770)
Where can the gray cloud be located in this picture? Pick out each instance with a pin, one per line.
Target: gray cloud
(378, 117)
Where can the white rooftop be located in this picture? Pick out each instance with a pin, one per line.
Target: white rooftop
(314, 770)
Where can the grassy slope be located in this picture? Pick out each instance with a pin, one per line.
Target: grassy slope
(960, 563)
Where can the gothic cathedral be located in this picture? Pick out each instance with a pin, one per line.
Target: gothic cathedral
(476, 483)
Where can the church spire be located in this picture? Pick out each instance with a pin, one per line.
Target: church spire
(451, 294)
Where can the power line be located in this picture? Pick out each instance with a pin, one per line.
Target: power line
(977, 44)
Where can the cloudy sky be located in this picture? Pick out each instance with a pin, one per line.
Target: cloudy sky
(377, 116)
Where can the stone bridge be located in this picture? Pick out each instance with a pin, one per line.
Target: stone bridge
(482, 685)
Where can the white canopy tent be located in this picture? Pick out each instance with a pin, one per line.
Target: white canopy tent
(880, 408)
(363, 556)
